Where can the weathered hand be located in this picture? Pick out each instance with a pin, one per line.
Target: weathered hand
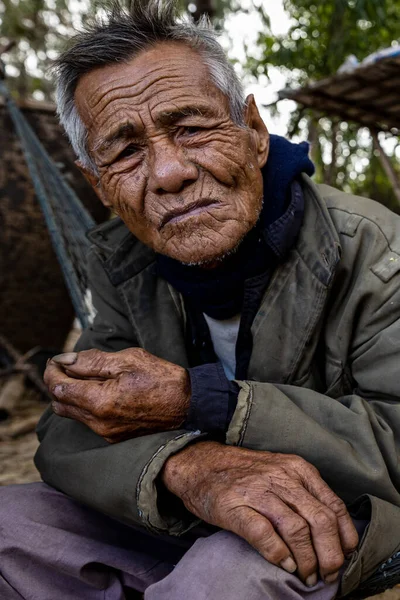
(119, 395)
(277, 502)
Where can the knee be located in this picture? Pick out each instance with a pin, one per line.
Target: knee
(20, 502)
(227, 551)
(10, 498)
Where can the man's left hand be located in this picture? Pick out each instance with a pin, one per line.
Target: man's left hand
(119, 395)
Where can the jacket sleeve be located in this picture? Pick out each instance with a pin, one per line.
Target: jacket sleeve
(116, 479)
(353, 439)
(213, 400)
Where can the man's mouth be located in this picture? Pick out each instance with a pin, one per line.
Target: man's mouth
(179, 214)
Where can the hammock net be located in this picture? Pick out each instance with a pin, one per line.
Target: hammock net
(66, 218)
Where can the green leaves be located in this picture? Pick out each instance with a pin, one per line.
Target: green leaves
(321, 37)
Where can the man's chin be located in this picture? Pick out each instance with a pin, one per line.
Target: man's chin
(207, 258)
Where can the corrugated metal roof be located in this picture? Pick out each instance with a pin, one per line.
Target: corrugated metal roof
(368, 94)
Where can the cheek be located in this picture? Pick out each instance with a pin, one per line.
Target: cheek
(228, 159)
(125, 191)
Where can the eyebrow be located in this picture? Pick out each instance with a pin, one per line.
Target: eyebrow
(127, 131)
(171, 116)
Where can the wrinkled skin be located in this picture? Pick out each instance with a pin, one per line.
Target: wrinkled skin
(119, 394)
(277, 502)
(187, 182)
(177, 149)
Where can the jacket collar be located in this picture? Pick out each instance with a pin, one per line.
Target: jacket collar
(123, 255)
(285, 329)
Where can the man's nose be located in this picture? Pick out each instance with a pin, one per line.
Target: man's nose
(170, 169)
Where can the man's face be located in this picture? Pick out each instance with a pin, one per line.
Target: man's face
(172, 164)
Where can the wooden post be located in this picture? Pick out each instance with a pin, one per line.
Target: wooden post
(10, 394)
(387, 165)
(13, 388)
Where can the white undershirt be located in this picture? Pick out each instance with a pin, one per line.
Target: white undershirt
(224, 335)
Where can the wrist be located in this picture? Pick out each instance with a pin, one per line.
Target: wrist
(188, 465)
(176, 398)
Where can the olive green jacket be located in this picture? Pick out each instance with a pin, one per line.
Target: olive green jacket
(323, 380)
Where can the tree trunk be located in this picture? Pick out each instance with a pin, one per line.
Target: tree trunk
(330, 171)
(387, 166)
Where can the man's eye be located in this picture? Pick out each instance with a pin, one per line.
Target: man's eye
(128, 151)
(191, 130)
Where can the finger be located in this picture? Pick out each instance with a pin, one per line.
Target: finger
(85, 394)
(70, 412)
(52, 374)
(295, 532)
(259, 533)
(347, 532)
(95, 363)
(324, 530)
(111, 434)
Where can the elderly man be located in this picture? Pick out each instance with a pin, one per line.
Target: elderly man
(229, 425)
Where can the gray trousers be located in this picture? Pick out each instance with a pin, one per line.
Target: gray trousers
(53, 548)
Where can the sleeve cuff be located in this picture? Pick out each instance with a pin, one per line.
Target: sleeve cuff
(213, 399)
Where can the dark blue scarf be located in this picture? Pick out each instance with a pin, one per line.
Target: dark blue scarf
(219, 292)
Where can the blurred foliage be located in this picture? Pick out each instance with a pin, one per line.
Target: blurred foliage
(323, 34)
(321, 37)
(37, 28)
(40, 28)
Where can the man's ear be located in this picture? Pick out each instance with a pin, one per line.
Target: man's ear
(94, 181)
(258, 128)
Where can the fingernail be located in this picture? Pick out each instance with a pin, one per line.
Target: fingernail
(332, 577)
(68, 358)
(312, 580)
(289, 565)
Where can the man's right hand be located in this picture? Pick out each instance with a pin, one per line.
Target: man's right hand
(277, 502)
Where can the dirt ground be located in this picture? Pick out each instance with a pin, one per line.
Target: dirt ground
(16, 453)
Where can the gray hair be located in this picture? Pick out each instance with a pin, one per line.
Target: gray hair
(120, 36)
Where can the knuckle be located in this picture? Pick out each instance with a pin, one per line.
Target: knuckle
(338, 507)
(250, 522)
(93, 356)
(297, 460)
(299, 531)
(307, 562)
(324, 518)
(139, 351)
(271, 546)
(273, 552)
(127, 378)
(127, 354)
(297, 464)
(136, 354)
(332, 562)
(312, 470)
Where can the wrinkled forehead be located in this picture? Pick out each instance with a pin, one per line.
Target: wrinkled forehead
(159, 79)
